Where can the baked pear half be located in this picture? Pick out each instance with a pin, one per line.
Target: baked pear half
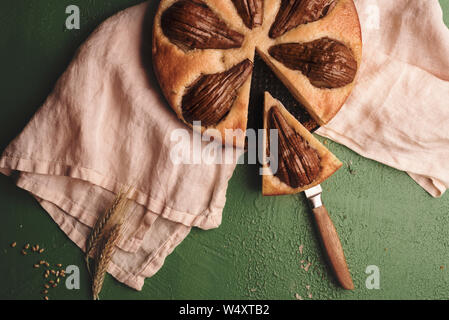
(302, 161)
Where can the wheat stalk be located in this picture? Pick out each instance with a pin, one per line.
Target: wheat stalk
(118, 207)
(104, 256)
(103, 239)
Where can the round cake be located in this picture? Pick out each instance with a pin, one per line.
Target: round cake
(203, 53)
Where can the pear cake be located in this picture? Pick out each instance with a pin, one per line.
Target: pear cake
(303, 162)
(203, 54)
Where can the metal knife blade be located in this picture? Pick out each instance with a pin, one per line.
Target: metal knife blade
(314, 196)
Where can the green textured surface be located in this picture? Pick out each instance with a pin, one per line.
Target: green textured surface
(383, 217)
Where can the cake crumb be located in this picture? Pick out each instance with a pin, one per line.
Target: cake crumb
(298, 297)
(306, 268)
(350, 167)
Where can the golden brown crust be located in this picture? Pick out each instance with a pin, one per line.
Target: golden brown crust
(177, 69)
(271, 185)
(342, 24)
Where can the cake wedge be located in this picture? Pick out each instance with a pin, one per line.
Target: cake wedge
(301, 161)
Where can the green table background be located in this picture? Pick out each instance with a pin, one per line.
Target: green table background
(383, 217)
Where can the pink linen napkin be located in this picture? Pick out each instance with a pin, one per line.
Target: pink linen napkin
(398, 113)
(105, 127)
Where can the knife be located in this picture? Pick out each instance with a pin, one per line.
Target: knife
(329, 238)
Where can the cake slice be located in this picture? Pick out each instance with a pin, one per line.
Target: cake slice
(303, 162)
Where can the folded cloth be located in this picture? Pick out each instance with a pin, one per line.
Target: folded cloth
(398, 113)
(105, 127)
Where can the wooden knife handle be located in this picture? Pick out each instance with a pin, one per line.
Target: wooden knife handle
(332, 245)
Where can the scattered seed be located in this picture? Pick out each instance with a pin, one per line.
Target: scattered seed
(13, 245)
(24, 252)
(27, 246)
(45, 276)
(46, 298)
(45, 291)
(54, 286)
(46, 286)
(53, 272)
(47, 264)
(41, 262)
(57, 273)
(57, 280)
(41, 250)
(36, 266)
(59, 265)
(37, 247)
